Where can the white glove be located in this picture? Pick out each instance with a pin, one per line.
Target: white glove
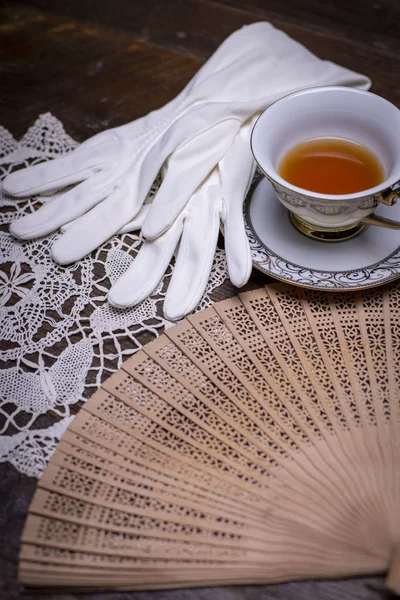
(115, 169)
(218, 199)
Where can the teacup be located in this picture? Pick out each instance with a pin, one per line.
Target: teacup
(338, 112)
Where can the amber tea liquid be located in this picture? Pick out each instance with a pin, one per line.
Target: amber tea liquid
(331, 166)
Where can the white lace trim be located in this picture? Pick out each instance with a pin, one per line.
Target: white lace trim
(59, 338)
(30, 451)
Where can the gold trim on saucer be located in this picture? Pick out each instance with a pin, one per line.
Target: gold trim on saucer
(275, 266)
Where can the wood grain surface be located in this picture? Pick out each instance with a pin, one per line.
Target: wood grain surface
(96, 64)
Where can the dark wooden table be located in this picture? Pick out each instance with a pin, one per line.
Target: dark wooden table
(96, 64)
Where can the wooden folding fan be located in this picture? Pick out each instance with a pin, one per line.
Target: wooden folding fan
(254, 442)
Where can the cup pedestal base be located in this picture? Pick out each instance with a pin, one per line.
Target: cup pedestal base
(326, 234)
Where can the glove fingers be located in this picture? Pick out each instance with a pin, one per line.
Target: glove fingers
(238, 254)
(147, 270)
(185, 172)
(136, 223)
(236, 172)
(133, 225)
(61, 210)
(95, 227)
(196, 254)
(53, 175)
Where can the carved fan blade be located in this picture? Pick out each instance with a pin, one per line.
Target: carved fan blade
(254, 442)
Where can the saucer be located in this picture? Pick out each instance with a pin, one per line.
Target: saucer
(280, 251)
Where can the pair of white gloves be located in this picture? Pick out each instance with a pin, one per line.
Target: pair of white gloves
(200, 142)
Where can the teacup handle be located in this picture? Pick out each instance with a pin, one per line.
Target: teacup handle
(388, 197)
(381, 222)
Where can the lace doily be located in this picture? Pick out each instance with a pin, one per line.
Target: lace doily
(59, 338)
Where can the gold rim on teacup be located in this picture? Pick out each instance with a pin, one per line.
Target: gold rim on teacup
(331, 111)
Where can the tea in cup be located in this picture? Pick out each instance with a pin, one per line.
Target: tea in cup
(332, 155)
